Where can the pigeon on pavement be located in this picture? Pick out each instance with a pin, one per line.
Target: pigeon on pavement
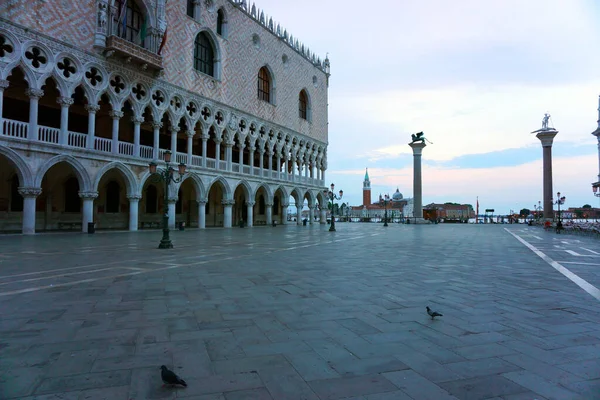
(170, 378)
(433, 314)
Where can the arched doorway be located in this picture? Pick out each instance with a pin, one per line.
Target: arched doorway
(295, 207)
(279, 211)
(112, 204)
(151, 205)
(186, 209)
(11, 202)
(215, 209)
(241, 197)
(263, 207)
(59, 205)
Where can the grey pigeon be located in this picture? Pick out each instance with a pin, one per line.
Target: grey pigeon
(170, 378)
(433, 314)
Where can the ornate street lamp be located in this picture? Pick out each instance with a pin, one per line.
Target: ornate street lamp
(166, 175)
(384, 201)
(331, 196)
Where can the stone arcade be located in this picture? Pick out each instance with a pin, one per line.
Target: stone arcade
(94, 93)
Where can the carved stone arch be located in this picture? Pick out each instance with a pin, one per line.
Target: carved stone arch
(321, 199)
(308, 103)
(284, 192)
(311, 197)
(297, 194)
(21, 167)
(63, 90)
(201, 192)
(47, 53)
(130, 179)
(239, 136)
(217, 54)
(95, 76)
(85, 182)
(177, 105)
(218, 131)
(226, 188)
(90, 95)
(27, 74)
(147, 8)
(268, 191)
(14, 42)
(248, 192)
(68, 68)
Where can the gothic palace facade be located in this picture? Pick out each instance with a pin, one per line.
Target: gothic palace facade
(92, 91)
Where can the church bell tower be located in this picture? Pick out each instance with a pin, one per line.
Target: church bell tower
(366, 189)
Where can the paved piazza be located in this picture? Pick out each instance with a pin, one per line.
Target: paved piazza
(297, 312)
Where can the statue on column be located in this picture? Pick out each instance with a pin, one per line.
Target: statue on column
(419, 137)
(545, 121)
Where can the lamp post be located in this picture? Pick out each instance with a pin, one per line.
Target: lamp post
(166, 175)
(384, 201)
(331, 196)
(559, 201)
(595, 189)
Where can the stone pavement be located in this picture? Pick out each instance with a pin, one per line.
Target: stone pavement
(301, 313)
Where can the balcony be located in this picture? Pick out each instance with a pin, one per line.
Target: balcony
(18, 132)
(133, 53)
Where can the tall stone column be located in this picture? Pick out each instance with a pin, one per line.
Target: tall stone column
(65, 103)
(251, 160)
(311, 214)
(155, 136)
(278, 165)
(299, 214)
(190, 139)
(227, 204)
(204, 149)
(293, 168)
(88, 209)
(546, 136)
(29, 194)
(174, 131)
(250, 212)
(261, 160)
(171, 211)
(417, 148)
(116, 116)
(284, 212)
(92, 109)
(34, 97)
(270, 163)
(241, 150)
(134, 201)
(202, 214)
(137, 121)
(323, 219)
(229, 155)
(217, 153)
(3, 85)
(269, 213)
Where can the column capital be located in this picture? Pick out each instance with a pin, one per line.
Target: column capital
(134, 197)
(417, 148)
(242, 146)
(65, 101)
(204, 137)
(202, 201)
(156, 125)
(250, 203)
(173, 199)
(92, 108)
(29, 191)
(190, 134)
(34, 93)
(228, 203)
(115, 114)
(175, 129)
(546, 137)
(285, 204)
(3, 84)
(88, 195)
(137, 120)
(268, 204)
(252, 148)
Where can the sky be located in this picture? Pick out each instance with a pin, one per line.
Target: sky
(475, 76)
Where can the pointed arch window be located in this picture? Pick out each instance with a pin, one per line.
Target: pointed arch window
(151, 200)
(204, 56)
(113, 197)
(190, 8)
(16, 200)
(264, 85)
(221, 23)
(72, 200)
(130, 22)
(303, 105)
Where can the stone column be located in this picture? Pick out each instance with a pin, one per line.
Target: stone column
(269, 213)
(298, 214)
(241, 149)
(88, 209)
(134, 201)
(286, 162)
(250, 212)
(270, 155)
(202, 214)
(217, 153)
(284, 211)
(174, 131)
(261, 160)
(204, 150)
(229, 154)
(34, 96)
(293, 160)
(227, 213)
(116, 116)
(190, 138)
(171, 211)
(137, 121)
(417, 149)
(156, 134)
(547, 137)
(252, 148)
(311, 214)
(278, 165)
(65, 103)
(3, 85)
(29, 195)
(323, 219)
(92, 109)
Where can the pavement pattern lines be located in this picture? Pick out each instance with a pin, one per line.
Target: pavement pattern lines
(300, 313)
